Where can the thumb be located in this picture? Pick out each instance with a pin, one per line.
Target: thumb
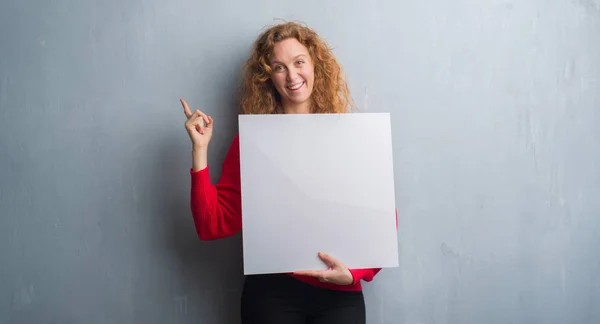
(329, 260)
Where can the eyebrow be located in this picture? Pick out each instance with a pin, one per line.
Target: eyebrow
(295, 58)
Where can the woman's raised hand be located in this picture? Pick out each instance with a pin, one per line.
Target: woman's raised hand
(198, 125)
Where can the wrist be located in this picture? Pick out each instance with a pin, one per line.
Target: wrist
(353, 276)
(349, 280)
(199, 149)
(199, 158)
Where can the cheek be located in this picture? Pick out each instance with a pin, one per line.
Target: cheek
(311, 79)
(278, 82)
(312, 73)
(309, 75)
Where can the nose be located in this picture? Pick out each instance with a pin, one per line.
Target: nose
(292, 74)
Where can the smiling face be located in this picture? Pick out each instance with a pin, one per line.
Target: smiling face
(293, 75)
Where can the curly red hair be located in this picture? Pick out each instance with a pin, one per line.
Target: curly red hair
(330, 94)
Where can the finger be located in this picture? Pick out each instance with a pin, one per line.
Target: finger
(326, 276)
(207, 120)
(186, 108)
(309, 273)
(200, 120)
(195, 118)
(209, 124)
(204, 117)
(199, 125)
(196, 123)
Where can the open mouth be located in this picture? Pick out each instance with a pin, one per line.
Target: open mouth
(295, 87)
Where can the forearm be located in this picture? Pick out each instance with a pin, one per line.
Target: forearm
(199, 158)
(216, 208)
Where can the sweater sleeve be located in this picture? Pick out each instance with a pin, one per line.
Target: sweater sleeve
(367, 274)
(217, 209)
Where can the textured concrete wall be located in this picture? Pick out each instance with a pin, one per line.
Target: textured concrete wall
(495, 108)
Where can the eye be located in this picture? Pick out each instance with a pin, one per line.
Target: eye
(299, 62)
(278, 68)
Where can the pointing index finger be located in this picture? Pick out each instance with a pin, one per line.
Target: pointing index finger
(186, 109)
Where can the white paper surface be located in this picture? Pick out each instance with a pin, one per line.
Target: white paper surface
(317, 182)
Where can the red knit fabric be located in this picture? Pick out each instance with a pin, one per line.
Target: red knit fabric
(217, 212)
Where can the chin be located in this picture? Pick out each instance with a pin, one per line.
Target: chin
(299, 97)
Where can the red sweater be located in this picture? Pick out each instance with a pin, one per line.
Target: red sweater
(217, 211)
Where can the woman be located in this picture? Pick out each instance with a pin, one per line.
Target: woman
(291, 71)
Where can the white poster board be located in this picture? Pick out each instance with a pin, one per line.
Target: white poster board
(317, 182)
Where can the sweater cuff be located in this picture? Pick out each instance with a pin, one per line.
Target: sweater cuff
(357, 275)
(200, 178)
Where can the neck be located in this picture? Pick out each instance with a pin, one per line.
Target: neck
(301, 108)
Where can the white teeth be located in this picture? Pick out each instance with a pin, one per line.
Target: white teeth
(295, 87)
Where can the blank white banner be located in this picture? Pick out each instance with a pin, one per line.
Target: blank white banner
(317, 182)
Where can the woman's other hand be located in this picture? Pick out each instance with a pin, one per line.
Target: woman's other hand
(337, 273)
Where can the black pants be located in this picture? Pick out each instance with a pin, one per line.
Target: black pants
(279, 299)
